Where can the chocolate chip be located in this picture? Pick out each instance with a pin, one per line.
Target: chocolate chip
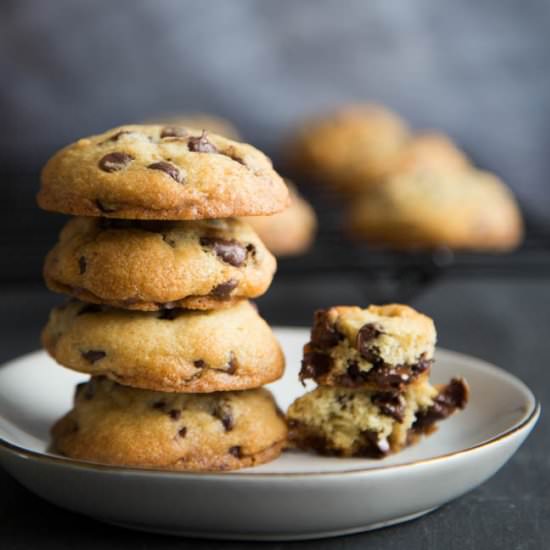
(251, 249)
(231, 367)
(366, 334)
(199, 363)
(229, 251)
(421, 366)
(115, 137)
(390, 404)
(222, 411)
(389, 377)
(374, 446)
(90, 308)
(173, 171)
(93, 355)
(113, 162)
(453, 396)
(324, 333)
(223, 290)
(82, 265)
(182, 432)
(160, 405)
(314, 364)
(105, 209)
(173, 132)
(236, 451)
(201, 144)
(175, 414)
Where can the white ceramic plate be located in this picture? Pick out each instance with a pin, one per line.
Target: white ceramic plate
(297, 496)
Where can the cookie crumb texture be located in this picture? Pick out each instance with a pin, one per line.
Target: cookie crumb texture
(381, 347)
(172, 350)
(151, 265)
(116, 425)
(161, 172)
(364, 423)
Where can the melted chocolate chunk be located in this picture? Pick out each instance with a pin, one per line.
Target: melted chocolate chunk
(367, 333)
(90, 308)
(314, 364)
(384, 377)
(201, 144)
(374, 447)
(182, 432)
(175, 414)
(173, 171)
(324, 333)
(82, 265)
(390, 404)
(236, 451)
(453, 396)
(229, 251)
(223, 290)
(113, 162)
(93, 355)
(224, 414)
(388, 377)
(173, 132)
(422, 365)
(199, 363)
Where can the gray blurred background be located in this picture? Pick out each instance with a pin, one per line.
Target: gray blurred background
(478, 70)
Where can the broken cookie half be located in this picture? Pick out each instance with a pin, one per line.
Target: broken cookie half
(374, 395)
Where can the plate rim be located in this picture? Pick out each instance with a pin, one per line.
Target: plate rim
(531, 416)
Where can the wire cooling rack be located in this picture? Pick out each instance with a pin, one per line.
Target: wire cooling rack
(400, 275)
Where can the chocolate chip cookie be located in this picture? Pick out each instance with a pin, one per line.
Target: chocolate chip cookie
(117, 425)
(463, 209)
(370, 423)
(384, 348)
(429, 152)
(170, 350)
(349, 149)
(290, 232)
(150, 265)
(161, 172)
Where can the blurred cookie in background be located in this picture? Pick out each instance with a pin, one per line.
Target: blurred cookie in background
(349, 149)
(458, 209)
(429, 151)
(203, 121)
(290, 232)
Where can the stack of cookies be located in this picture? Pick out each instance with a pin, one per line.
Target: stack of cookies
(374, 395)
(160, 271)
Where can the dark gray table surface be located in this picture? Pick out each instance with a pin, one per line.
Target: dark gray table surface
(505, 322)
